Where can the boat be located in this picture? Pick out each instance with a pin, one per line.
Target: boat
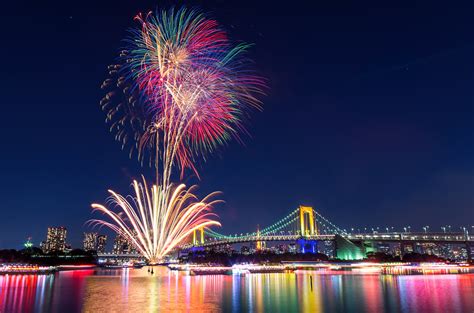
(26, 269)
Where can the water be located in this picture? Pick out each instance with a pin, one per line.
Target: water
(135, 290)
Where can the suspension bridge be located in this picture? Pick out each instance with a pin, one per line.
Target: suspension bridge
(306, 228)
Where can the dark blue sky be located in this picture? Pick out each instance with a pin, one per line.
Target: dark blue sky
(369, 114)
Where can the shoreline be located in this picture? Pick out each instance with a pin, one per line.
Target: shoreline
(326, 268)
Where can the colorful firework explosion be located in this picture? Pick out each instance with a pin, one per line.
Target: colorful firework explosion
(157, 219)
(179, 91)
(187, 83)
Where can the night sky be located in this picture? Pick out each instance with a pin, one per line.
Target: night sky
(368, 117)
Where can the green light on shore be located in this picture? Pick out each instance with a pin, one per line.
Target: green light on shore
(28, 244)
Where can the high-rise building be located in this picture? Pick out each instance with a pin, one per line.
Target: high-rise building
(131, 246)
(94, 242)
(101, 243)
(120, 245)
(55, 240)
(90, 241)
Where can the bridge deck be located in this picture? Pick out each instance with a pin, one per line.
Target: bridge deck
(379, 237)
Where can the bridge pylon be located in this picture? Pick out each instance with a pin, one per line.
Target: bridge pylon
(197, 241)
(310, 228)
(259, 244)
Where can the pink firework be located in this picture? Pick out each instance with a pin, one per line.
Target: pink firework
(193, 82)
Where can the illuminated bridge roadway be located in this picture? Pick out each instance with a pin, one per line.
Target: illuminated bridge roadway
(306, 226)
(378, 237)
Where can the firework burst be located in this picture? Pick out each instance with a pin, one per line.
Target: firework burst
(156, 219)
(179, 90)
(189, 86)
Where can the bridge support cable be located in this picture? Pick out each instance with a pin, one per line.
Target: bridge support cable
(321, 219)
(302, 221)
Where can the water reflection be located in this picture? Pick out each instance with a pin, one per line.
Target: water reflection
(135, 290)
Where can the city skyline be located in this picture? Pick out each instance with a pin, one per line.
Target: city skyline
(447, 242)
(383, 133)
(388, 243)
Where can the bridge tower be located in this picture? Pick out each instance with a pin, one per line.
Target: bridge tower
(313, 230)
(195, 236)
(259, 243)
(308, 228)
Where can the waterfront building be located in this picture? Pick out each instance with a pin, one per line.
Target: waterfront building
(292, 248)
(101, 243)
(227, 249)
(131, 247)
(430, 248)
(90, 241)
(326, 247)
(384, 248)
(55, 240)
(121, 245)
(124, 246)
(94, 242)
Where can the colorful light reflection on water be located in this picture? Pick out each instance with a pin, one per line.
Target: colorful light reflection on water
(135, 290)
